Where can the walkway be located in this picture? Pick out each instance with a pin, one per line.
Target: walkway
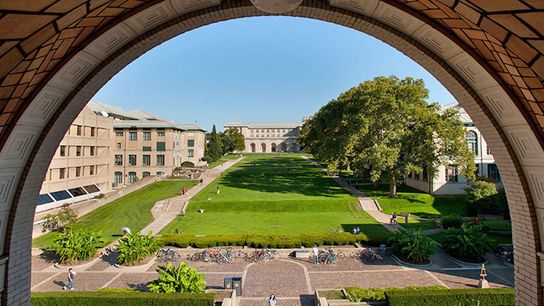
(292, 280)
(166, 211)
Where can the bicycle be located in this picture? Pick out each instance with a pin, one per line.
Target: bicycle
(369, 254)
(168, 255)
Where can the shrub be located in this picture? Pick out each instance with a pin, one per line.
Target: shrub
(77, 245)
(273, 241)
(61, 221)
(467, 297)
(181, 279)
(356, 294)
(467, 243)
(412, 245)
(134, 247)
(119, 298)
(481, 196)
(451, 221)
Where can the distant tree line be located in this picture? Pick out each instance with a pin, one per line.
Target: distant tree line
(219, 144)
(386, 127)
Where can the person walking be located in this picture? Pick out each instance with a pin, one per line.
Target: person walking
(272, 300)
(315, 254)
(201, 181)
(71, 277)
(395, 218)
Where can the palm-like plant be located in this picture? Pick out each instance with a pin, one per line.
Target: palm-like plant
(76, 245)
(135, 247)
(412, 245)
(181, 279)
(467, 243)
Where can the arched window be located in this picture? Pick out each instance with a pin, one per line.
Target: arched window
(263, 147)
(253, 149)
(472, 141)
(132, 177)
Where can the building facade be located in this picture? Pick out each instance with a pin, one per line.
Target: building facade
(81, 167)
(447, 180)
(144, 144)
(268, 137)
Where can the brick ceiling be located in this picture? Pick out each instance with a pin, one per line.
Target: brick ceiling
(35, 35)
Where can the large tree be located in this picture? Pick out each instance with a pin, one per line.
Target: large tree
(233, 141)
(387, 126)
(213, 147)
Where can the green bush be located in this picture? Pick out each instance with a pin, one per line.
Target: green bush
(465, 297)
(181, 279)
(134, 247)
(76, 245)
(356, 294)
(272, 241)
(482, 197)
(451, 221)
(61, 221)
(412, 245)
(467, 243)
(99, 298)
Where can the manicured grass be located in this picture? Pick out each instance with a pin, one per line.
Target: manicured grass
(132, 210)
(223, 159)
(273, 194)
(418, 225)
(417, 203)
(498, 225)
(495, 239)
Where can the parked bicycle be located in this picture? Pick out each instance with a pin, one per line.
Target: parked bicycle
(369, 254)
(327, 256)
(168, 255)
(505, 254)
(217, 255)
(264, 255)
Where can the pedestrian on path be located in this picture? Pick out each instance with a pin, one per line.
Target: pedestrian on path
(201, 181)
(315, 255)
(71, 277)
(272, 300)
(218, 190)
(395, 218)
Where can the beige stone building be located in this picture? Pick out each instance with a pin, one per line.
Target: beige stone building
(81, 168)
(144, 144)
(447, 180)
(268, 137)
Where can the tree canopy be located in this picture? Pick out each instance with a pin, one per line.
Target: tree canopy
(214, 147)
(233, 141)
(385, 125)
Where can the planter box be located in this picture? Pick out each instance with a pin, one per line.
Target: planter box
(305, 254)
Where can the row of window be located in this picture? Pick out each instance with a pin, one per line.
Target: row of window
(80, 130)
(133, 136)
(132, 160)
(77, 151)
(65, 173)
(66, 194)
(452, 173)
(270, 130)
(131, 177)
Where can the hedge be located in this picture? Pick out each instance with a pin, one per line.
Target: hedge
(356, 294)
(272, 241)
(120, 298)
(465, 297)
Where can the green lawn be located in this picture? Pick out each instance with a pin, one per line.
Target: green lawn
(417, 203)
(132, 210)
(273, 194)
(223, 159)
(495, 239)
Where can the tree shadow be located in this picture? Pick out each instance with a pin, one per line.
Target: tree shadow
(307, 300)
(139, 287)
(49, 256)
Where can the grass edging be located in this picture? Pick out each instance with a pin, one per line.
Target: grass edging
(481, 297)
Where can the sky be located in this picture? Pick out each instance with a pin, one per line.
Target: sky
(260, 69)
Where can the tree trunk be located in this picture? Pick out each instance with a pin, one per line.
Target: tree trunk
(393, 185)
(376, 184)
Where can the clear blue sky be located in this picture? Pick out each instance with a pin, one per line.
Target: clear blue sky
(271, 69)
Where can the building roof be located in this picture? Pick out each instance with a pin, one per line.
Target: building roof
(138, 118)
(263, 125)
(463, 116)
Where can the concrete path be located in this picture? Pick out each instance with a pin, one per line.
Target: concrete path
(166, 211)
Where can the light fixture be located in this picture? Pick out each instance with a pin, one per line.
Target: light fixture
(276, 6)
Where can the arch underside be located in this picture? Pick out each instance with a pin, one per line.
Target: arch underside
(40, 114)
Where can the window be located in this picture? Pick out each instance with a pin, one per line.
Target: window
(132, 177)
(62, 173)
(119, 134)
(78, 150)
(488, 151)
(93, 131)
(160, 160)
(91, 151)
(78, 171)
(78, 130)
(190, 143)
(191, 153)
(493, 172)
(132, 160)
(118, 160)
(146, 149)
(147, 136)
(61, 195)
(133, 136)
(62, 151)
(451, 174)
(118, 177)
(161, 146)
(145, 174)
(91, 170)
(44, 199)
(159, 173)
(77, 192)
(118, 145)
(160, 134)
(472, 141)
(91, 188)
(146, 160)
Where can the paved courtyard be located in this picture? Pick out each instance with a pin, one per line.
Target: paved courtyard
(292, 280)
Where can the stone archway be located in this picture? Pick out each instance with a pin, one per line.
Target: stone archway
(55, 55)
(263, 147)
(273, 147)
(253, 148)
